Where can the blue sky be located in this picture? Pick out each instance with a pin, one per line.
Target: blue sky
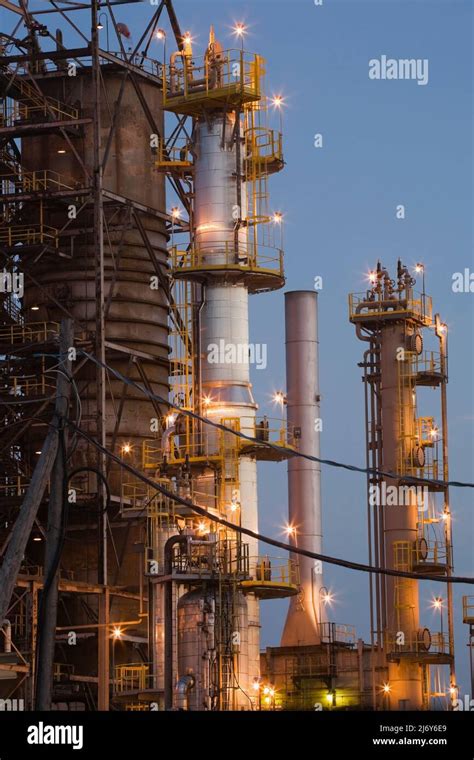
(385, 143)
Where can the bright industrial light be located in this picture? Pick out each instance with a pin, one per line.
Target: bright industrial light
(445, 516)
(330, 698)
(256, 685)
(176, 212)
(117, 633)
(202, 528)
(443, 328)
(267, 700)
(271, 692)
(372, 277)
(279, 398)
(386, 688)
(290, 530)
(207, 400)
(126, 448)
(277, 217)
(37, 538)
(453, 690)
(234, 507)
(61, 151)
(38, 452)
(327, 598)
(35, 308)
(434, 432)
(187, 39)
(437, 603)
(100, 26)
(160, 34)
(277, 101)
(419, 267)
(170, 419)
(240, 29)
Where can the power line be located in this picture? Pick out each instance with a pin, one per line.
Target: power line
(268, 444)
(266, 539)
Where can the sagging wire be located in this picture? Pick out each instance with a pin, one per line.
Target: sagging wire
(358, 566)
(268, 444)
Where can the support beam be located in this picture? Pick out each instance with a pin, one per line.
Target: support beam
(24, 523)
(48, 612)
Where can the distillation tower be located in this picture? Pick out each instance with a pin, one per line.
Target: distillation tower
(409, 520)
(231, 253)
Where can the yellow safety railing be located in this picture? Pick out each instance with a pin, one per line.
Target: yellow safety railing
(29, 332)
(14, 111)
(179, 155)
(420, 643)
(233, 76)
(468, 609)
(225, 254)
(419, 306)
(341, 633)
(208, 445)
(429, 362)
(268, 430)
(132, 677)
(29, 235)
(28, 182)
(275, 570)
(29, 386)
(197, 446)
(263, 151)
(429, 552)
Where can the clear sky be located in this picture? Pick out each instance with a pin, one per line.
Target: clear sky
(384, 143)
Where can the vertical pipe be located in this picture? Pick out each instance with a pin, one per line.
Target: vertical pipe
(443, 349)
(304, 477)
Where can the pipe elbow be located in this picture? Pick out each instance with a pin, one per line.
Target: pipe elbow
(184, 685)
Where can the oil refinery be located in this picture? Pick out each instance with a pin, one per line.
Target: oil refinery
(136, 214)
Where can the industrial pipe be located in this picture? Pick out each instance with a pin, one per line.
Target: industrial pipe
(183, 686)
(168, 609)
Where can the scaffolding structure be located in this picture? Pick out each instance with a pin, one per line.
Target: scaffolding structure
(44, 221)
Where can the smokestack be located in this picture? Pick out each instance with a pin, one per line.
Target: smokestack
(304, 476)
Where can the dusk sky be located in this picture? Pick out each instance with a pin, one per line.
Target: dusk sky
(385, 143)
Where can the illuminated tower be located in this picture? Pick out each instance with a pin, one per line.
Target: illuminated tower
(409, 520)
(227, 157)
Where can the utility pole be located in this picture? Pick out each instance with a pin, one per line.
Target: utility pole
(54, 537)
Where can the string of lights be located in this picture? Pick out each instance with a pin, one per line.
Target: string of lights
(358, 566)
